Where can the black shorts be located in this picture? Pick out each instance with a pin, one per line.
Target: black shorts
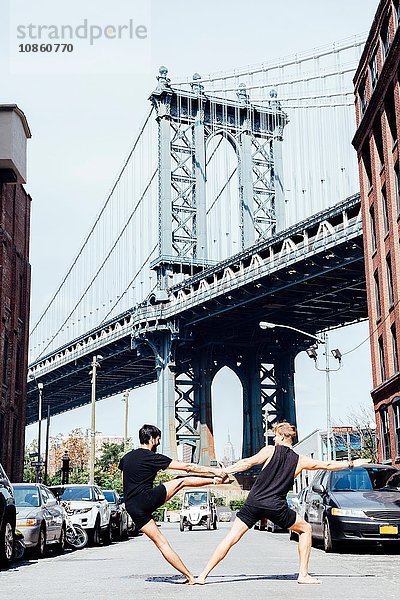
(142, 506)
(283, 517)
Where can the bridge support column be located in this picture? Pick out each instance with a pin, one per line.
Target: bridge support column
(166, 395)
(253, 433)
(277, 391)
(200, 188)
(205, 450)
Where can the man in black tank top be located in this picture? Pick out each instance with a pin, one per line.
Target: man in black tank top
(267, 497)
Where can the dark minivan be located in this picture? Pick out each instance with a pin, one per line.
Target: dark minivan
(359, 505)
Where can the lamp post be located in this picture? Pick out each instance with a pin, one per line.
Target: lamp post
(93, 373)
(126, 400)
(39, 453)
(311, 352)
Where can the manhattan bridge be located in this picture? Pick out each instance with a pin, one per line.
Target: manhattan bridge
(238, 202)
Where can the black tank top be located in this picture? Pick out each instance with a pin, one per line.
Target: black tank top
(275, 480)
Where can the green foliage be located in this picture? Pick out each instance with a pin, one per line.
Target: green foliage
(111, 454)
(29, 471)
(236, 504)
(219, 501)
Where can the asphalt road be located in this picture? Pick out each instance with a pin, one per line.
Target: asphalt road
(262, 565)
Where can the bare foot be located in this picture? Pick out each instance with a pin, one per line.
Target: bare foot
(190, 580)
(201, 580)
(307, 579)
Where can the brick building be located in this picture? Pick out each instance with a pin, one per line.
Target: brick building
(14, 287)
(376, 141)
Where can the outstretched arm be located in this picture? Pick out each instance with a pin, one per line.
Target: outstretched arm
(305, 462)
(177, 465)
(251, 461)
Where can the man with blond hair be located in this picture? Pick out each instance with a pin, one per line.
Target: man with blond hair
(267, 497)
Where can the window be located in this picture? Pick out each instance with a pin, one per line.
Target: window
(394, 348)
(390, 110)
(363, 98)
(377, 131)
(377, 296)
(373, 230)
(396, 423)
(385, 39)
(373, 69)
(385, 435)
(385, 211)
(397, 177)
(389, 280)
(382, 359)
(396, 6)
(366, 157)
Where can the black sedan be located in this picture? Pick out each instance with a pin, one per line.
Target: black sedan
(119, 516)
(359, 505)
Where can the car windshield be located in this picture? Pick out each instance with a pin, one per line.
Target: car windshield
(110, 497)
(27, 496)
(393, 483)
(195, 498)
(362, 479)
(77, 493)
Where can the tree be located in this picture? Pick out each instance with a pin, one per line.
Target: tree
(362, 421)
(29, 471)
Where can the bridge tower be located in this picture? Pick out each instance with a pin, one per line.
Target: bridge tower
(185, 367)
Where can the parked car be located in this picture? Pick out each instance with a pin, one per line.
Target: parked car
(86, 506)
(7, 519)
(198, 509)
(265, 524)
(39, 517)
(119, 515)
(359, 505)
(299, 505)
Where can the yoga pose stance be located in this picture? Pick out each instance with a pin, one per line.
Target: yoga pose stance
(139, 468)
(267, 497)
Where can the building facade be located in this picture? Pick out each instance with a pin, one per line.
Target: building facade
(377, 100)
(14, 288)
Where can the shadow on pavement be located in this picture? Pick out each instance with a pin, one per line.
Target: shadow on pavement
(217, 579)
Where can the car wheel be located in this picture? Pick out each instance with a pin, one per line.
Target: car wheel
(106, 535)
(41, 545)
(61, 541)
(95, 534)
(328, 544)
(6, 541)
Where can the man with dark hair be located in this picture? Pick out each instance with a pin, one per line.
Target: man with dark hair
(139, 468)
(267, 497)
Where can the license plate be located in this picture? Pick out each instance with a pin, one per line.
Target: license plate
(388, 530)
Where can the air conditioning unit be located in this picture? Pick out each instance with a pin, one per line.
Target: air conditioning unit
(14, 131)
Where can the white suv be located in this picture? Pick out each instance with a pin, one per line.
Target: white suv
(87, 506)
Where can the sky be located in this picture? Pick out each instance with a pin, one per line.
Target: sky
(84, 109)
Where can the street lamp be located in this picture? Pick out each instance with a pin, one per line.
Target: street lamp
(93, 373)
(312, 353)
(39, 454)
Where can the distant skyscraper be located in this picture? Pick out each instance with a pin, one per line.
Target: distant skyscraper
(229, 452)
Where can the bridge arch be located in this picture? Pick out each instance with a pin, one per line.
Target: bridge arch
(227, 381)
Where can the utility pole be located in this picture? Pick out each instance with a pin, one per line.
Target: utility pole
(46, 460)
(39, 455)
(93, 373)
